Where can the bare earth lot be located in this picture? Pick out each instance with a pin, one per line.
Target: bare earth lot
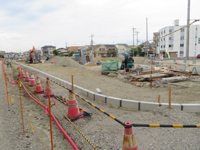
(90, 78)
(101, 130)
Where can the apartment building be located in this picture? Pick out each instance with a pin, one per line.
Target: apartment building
(175, 43)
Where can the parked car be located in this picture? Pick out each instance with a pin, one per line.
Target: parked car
(198, 56)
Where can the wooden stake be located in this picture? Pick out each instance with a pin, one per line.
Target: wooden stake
(169, 97)
(21, 105)
(50, 122)
(72, 83)
(158, 98)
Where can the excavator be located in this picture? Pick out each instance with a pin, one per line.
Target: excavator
(34, 57)
(127, 62)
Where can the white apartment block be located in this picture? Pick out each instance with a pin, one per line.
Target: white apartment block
(176, 43)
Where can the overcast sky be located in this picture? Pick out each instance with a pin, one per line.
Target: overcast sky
(27, 23)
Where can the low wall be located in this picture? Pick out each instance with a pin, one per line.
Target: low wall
(119, 102)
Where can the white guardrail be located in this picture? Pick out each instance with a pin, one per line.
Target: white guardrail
(119, 102)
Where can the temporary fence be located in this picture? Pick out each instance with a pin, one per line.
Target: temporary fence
(126, 125)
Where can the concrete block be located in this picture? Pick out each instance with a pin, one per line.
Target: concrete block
(114, 101)
(84, 92)
(91, 95)
(130, 104)
(191, 107)
(173, 105)
(148, 105)
(101, 98)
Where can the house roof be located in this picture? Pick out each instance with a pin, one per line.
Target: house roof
(125, 45)
(48, 46)
(109, 45)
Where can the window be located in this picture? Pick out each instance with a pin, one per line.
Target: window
(164, 46)
(182, 30)
(182, 37)
(161, 39)
(170, 30)
(164, 31)
(181, 53)
(161, 46)
(170, 38)
(164, 39)
(181, 45)
(161, 32)
(171, 45)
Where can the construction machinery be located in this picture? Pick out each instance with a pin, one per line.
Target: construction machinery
(127, 62)
(34, 57)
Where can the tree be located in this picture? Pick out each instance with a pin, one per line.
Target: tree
(113, 53)
(138, 51)
(71, 53)
(55, 52)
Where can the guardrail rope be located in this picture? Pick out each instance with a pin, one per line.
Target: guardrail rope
(76, 128)
(166, 125)
(93, 105)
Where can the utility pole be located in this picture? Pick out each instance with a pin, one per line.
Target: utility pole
(147, 35)
(137, 39)
(133, 38)
(91, 42)
(188, 35)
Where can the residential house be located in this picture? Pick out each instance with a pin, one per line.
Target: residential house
(129, 47)
(104, 50)
(63, 51)
(12, 55)
(47, 50)
(2, 52)
(72, 49)
(121, 48)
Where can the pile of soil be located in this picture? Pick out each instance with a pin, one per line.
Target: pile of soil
(142, 60)
(66, 62)
(90, 64)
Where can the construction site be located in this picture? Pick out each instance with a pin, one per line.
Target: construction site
(152, 105)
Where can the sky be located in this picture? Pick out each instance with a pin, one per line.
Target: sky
(28, 23)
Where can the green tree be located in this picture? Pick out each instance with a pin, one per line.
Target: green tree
(138, 51)
(71, 53)
(62, 54)
(55, 52)
(114, 53)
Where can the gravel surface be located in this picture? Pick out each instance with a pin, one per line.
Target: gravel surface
(102, 131)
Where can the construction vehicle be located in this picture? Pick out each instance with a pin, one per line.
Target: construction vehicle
(34, 57)
(127, 62)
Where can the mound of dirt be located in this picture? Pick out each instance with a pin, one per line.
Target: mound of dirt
(90, 64)
(142, 60)
(66, 62)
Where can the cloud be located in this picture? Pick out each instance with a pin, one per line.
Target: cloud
(40, 22)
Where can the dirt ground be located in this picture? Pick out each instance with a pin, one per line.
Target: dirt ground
(101, 130)
(90, 78)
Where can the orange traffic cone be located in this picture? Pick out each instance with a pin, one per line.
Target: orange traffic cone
(32, 80)
(48, 89)
(22, 74)
(38, 88)
(73, 110)
(129, 142)
(26, 77)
